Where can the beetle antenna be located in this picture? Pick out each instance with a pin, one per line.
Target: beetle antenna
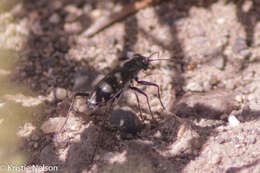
(152, 55)
(157, 59)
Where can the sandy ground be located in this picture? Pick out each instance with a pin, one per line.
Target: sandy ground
(211, 83)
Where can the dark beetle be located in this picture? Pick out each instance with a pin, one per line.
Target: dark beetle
(114, 83)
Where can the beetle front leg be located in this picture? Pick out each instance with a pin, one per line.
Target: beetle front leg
(143, 93)
(151, 84)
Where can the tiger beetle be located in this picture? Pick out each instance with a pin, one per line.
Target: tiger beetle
(119, 79)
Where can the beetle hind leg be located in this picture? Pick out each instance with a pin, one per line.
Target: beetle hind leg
(139, 107)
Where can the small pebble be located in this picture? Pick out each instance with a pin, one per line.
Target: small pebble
(72, 9)
(55, 18)
(35, 145)
(252, 97)
(254, 58)
(52, 125)
(57, 5)
(71, 18)
(51, 96)
(195, 152)
(215, 159)
(235, 140)
(91, 43)
(73, 28)
(112, 41)
(195, 86)
(221, 140)
(97, 157)
(96, 13)
(219, 62)
(229, 84)
(108, 156)
(252, 140)
(130, 54)
(87, 8)
(158, 134)
(239, 98)
(220, 21)
(245, 53)
(35, 137)
(61, 93)
(233, 121)
(239, 45)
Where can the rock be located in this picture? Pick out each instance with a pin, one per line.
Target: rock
(96, 13)
(245, 53)
(195, 86)
(55, 18)
(239, 45)
(221, 20)
(229, 84)
(26, 130)
(61, 93)
(240, 98)
(233, 121)
(57, 5)
(210, 105)
(252, 140)
(72, 9)
(35, 137)
(73, 28)
(35, 145)
(52, 125)
(51, 96)
(221, 140)
(219, 62)
(125, 120)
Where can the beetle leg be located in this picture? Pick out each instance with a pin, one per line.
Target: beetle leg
(117, 97)
(115, 100)
(151, 84)
(71, 106)
(141, 92)
(139, 107)
(138, 101)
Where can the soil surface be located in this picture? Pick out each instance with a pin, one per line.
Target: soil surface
(210, 82)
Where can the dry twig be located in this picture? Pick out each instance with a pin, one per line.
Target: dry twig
(104, 22)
